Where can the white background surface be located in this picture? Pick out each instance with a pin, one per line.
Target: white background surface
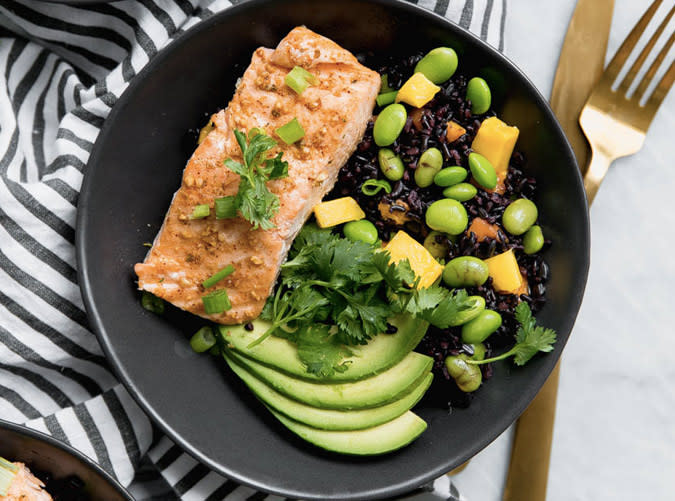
(615, 423)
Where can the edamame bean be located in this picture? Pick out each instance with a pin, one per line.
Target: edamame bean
(438, 65)
(533, 240)
(437, 249)
(362, 230)
(465, 271)
(389, 124)
(479, 351)
(447, 216)
(450, 176)
(482, 171)
(428, 166)
(391, 164)
(480, 328)
(478, 92)
(464, 316)
(460, 192)
(467, 376)
(519, 216)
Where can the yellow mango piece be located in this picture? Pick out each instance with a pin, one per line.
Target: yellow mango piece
(338, 211)
(417, 91)
(495, 141)
(503, 268)
(424, 265)
(454, 131)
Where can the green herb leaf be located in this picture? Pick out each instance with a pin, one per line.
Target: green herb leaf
(530, 339)
(320, 352)
(254, 201)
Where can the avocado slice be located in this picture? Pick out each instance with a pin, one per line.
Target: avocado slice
(330, 419)
(379, 439)
(371, 392)
(381, 352)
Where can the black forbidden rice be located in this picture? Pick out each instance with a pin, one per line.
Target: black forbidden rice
(448, 104)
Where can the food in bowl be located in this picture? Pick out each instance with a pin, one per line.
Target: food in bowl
(330, 350)
(17, 483)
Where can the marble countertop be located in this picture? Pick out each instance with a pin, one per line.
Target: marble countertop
(615, 427)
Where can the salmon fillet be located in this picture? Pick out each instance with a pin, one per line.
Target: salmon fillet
(26, 487)
(333, 113)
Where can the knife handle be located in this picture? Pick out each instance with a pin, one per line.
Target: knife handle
(531, 452)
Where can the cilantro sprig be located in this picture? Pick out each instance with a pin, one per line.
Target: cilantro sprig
(530, 339)
(254, 201)
(343, 292)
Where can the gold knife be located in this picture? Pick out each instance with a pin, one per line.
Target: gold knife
(580, 65)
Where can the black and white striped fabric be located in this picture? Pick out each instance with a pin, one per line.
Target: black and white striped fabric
(62, 68)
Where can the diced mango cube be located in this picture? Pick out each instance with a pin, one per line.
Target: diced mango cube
(482, 229)
(454, 131)
(424, 265)
(338, 211)
(505, 273)
(417, 91)
(495, 141)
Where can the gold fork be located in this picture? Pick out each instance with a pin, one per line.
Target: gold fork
(614, 124)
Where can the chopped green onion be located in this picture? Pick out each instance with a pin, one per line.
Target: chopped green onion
(386, 98)
(299, 79)
(225, 207)
(7, 473)
(373, 186)
(200, 211)
(384, 87)
(216, 302)
(218, 276)
(291, 132)
(203, 340)
(152, 303)
(147, 244)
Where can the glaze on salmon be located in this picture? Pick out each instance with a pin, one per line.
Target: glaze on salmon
(333, 113)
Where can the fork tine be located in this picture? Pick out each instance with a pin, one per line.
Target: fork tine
(661, 91)
(635, 68)
(646, 80)
(629, 44)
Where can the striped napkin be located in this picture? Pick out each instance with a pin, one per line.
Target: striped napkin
(63, 68)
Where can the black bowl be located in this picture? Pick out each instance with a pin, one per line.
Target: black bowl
(136, 166)
(44, 454)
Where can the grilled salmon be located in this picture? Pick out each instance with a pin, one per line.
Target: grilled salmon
(25, 487)
(333, 112)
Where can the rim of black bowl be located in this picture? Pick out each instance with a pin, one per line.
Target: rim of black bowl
(407, 484)
(90, 463)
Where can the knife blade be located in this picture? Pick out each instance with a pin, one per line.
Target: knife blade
(585, 44)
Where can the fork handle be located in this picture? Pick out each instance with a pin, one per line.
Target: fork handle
(596, 172)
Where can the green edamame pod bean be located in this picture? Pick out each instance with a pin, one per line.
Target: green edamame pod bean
(428, 166)
(450, 176)
(479, 351)
(389, 124)
(437, 249)
(478, 92)
(391, 164)
(362, 230)
(533, 240)
(464, 316)
(465, 271)
(467, 376)
(519, 216)
(461, 192)
(482, 171)
(480, 328)
(438, 65)
(447, 216)
(203, 340)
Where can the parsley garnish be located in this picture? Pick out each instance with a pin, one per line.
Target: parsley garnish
(335, 293)
(256, 203)
(530, 339)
